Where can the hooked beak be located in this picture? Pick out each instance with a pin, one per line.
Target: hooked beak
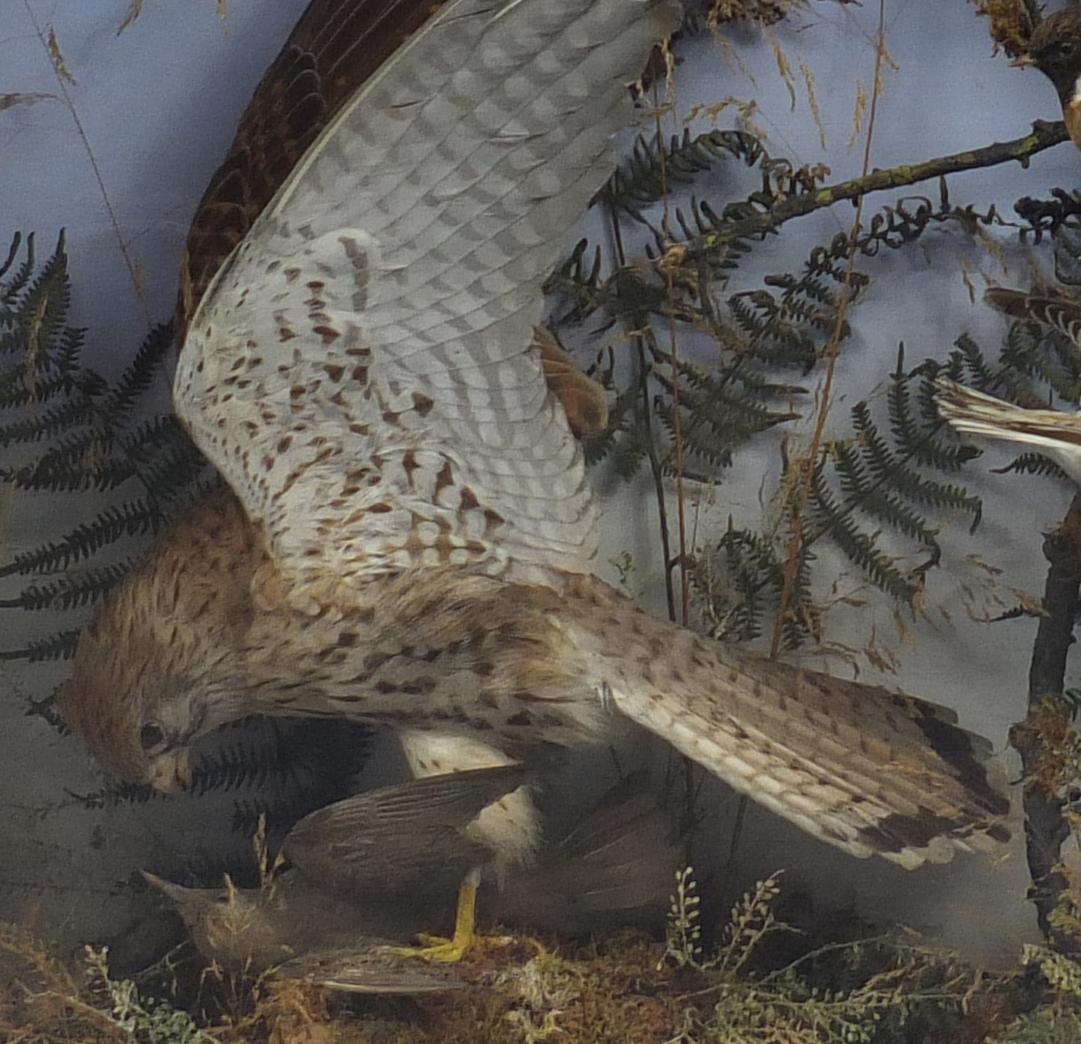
(1022, 61)
(174, 891)
(171, 771)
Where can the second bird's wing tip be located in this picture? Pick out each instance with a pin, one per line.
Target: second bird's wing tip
(372, 969)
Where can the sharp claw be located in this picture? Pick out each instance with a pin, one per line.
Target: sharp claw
(439, 950)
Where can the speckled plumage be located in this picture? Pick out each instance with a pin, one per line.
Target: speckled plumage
(413, 537)
(333, 49)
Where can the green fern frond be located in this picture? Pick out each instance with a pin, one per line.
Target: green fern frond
(129, 519)
(859, 483)
(835, 520)
(72, 591)
(972, 366)
(176, 475)
(918, 431)
(1037, 352)
(72, 465)
(739, 582)
(654, 167)
(11, 286)
(1033, 464)
(59, 646)
(895, 470)
(45, 708)
(50, 422)
(21, 388)
(140, 374)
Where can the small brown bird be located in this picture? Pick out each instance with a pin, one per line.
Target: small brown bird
(355, 870)
(1054, 433)
(1055, 49)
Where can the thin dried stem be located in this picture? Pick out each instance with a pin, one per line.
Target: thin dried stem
(808, 462)
(48, 43)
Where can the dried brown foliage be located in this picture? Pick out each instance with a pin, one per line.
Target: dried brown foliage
(1010, 22)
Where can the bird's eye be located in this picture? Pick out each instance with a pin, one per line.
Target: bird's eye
(1064, 50)
(151, 735)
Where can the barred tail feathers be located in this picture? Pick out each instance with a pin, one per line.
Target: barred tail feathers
(865, 769)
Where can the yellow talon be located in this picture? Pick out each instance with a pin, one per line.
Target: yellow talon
(450, 951)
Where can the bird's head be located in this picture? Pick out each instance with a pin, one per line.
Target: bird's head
(235, 926)
(155, 668)
(134, 712)
(1055, 49)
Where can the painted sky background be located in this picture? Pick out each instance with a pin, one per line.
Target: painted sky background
(156, 107)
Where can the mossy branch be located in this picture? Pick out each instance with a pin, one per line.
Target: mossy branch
(1043, 136)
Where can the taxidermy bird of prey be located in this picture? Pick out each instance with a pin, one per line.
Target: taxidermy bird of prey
(412, 537)
(1053, 433)
(334, 907)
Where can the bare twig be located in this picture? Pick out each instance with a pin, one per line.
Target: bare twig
(638, 340)
(673, 357)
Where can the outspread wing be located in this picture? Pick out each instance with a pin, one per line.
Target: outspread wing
(361, 369)
(333, 49)
(1054, 433)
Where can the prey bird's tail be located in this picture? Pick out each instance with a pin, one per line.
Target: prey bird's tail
(1053, 432)
(865, 769)
(615, 865)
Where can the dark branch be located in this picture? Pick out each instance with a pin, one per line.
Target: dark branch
(1043, 136)
(1045, 826)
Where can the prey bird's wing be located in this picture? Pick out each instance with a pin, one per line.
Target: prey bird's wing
(361, 369)
(1053, 433)
(372, 967)
(976, 413)
(623, 854)
(385, 841)
(614, 866)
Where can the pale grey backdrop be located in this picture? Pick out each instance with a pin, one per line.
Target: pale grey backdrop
(158, 105)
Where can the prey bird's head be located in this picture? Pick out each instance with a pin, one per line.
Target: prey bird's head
(1055, 49)
(152, 669)
(238, 927)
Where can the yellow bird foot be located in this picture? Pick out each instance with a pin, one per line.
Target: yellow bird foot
(440, 950)
(465, 939)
